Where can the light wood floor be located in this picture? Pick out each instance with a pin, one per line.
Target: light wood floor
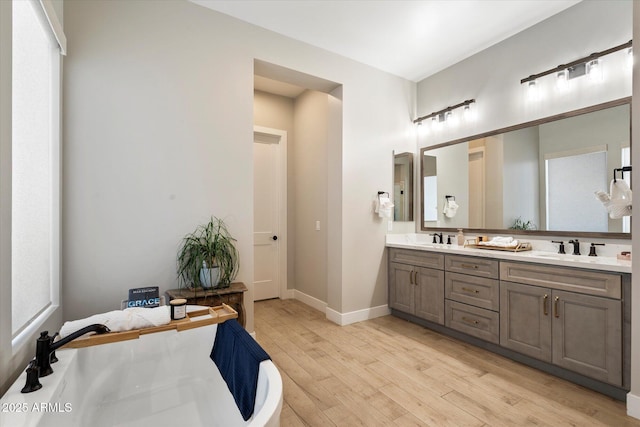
(387, 372)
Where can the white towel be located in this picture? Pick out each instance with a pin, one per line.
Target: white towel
(501, 242)
(450, 208)
(618, 202)
(122, 320)
(384, 207)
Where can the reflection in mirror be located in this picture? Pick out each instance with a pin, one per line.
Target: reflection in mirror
(403, 187)
(430, 186)
(536, 178)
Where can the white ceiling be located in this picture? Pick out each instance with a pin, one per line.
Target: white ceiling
(411, 39)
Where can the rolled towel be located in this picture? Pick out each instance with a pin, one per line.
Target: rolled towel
(122, 320)
(501, 242)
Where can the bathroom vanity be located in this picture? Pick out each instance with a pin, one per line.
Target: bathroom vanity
(567, 315)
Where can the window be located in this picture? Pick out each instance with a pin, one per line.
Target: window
(571, 205)
(35, 172)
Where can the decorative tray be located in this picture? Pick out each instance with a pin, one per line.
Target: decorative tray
(521, 247)
(194, 319)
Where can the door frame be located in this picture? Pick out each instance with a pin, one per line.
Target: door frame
(279, 137)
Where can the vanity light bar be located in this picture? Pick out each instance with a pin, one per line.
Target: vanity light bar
(441, 115)
(578, 62)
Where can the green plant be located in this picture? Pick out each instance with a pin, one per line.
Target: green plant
(210, 245)
(519, 224)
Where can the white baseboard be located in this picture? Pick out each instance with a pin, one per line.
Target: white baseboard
(633, 405)
(342, 319)
(288, 294)
(310, 301)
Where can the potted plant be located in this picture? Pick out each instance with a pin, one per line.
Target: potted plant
(208, 257)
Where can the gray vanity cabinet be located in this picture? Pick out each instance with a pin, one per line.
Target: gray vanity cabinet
(414, 288)
(576, 331)
(471, 296)
(571, 322)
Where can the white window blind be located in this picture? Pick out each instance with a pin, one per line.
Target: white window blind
(571, 205)
(35, 174)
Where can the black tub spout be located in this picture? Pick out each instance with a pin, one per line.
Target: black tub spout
(45, 345)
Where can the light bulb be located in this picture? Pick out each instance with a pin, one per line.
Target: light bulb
(595, 70)
(423, 128)
(561, 80)
(452, 119)
(466, 112)
(435, 123)
(533, 90)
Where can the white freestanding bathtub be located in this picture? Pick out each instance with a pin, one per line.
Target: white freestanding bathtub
(161, 379)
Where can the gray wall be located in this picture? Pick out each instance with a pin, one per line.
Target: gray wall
(311, 126)
(158, 134)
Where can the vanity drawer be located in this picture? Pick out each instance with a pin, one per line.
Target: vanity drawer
(478, 322)
(418, 258)
(476, 266)
(478, 291)
(566, 279)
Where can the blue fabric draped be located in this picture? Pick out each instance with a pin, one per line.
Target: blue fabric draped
(237, 356)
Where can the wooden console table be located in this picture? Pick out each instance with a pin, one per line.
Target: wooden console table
(232, 295)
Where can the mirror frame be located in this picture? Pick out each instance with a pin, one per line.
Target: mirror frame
(602, 235)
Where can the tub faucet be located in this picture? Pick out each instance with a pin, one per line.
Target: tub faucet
(576, 246)
(45, 346)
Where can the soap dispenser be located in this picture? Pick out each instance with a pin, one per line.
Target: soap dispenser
(460, 237)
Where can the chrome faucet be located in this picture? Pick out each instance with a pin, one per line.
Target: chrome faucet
(45, 346)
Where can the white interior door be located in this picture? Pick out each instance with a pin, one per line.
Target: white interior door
(268, 235)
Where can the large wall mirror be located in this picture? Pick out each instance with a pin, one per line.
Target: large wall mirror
(535, 178)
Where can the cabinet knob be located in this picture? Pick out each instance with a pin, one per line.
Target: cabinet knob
(275, 237)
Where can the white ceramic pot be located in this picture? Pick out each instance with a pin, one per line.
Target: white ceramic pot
(209, 277)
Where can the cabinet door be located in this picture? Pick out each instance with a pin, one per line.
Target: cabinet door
(429, 294)
(587, 335)
(525, 319)
(401, 287)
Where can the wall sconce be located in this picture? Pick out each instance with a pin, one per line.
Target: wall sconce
(447, 115)
(590, 65)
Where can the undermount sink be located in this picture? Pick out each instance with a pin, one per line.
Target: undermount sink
(564, 257)
(431, 245)
(552, 256)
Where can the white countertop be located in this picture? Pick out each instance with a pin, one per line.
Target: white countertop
(603, 263)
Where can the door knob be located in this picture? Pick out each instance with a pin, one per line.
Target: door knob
(275, 237)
